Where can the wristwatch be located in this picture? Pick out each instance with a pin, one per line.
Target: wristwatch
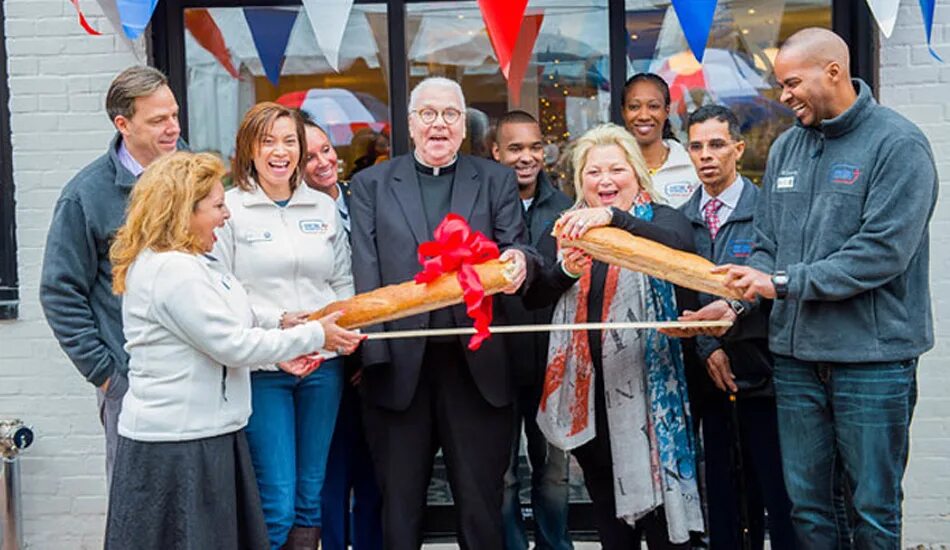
(737, 307)
(780, 282)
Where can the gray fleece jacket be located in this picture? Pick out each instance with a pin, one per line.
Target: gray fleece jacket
(76, 283)
(845, 210)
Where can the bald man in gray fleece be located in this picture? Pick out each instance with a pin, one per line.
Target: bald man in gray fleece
(842, 247)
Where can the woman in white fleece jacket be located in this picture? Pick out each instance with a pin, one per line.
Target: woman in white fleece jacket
(286, 243)
(183, 476)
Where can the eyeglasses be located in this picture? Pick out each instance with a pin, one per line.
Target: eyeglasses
(449, 116)
(715, 145)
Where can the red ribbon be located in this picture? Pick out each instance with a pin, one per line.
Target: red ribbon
(457, 248)
(82, 20)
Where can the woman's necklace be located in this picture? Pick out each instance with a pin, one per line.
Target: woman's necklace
(666, 156)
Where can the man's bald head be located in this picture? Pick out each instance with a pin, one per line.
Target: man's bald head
(814, 71)
(820, 46)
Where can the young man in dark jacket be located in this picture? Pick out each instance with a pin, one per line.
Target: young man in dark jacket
(739, 412)
(518, 145)
(76, 283)
(842, 246)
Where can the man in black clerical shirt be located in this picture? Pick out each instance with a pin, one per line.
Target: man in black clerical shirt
(422, 394)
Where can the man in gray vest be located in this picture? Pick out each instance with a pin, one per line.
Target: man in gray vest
(76, 283)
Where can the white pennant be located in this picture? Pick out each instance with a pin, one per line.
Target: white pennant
(885, 13)
(328, 20)
(111, 12)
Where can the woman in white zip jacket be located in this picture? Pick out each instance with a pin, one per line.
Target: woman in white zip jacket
(646, 114)
(286, 244)
(183, 476)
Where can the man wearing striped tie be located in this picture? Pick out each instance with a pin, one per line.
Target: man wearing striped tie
(742, 460)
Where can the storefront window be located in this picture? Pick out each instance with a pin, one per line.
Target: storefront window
(737, 66)
(559, 70)
(233, 60)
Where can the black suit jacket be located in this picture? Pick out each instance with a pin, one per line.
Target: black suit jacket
(388, 224)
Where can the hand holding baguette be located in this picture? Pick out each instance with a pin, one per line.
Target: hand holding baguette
(393, 302)
(618, 247)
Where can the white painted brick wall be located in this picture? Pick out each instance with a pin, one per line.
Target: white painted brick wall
(58, 77)
(918, 86)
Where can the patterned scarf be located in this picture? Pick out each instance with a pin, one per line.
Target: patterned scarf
(651, 435)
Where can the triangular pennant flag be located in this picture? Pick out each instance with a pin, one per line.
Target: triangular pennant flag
(503, 21)
(202, 27)
(270, 29)
(696, 17)
(885, 13)
(521, 55)
(328, 20)
(82, 20)
(135, 15)
(927, 10)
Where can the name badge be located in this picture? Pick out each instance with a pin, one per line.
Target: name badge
(258, 236)
(226, 281)
(785, 182)
(314, 226)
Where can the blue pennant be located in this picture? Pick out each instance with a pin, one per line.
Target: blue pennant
(270, 29)
(927, 10)
(135, 15)
(696, 17)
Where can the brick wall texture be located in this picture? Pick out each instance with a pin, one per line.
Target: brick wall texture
(58, 77)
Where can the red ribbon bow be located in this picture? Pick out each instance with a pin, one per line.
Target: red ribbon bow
(457, 248)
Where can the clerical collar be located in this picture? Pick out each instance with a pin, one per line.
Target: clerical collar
(424, 168)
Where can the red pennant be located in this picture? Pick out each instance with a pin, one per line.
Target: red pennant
(503, 21)
(457, 248)
(521, 55)
(199, 22)
(82, 20)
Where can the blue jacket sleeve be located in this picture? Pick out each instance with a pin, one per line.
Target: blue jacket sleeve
(70, 265)
(897, 208)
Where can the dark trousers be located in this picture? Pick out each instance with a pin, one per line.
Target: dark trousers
(352, 505)
(761, 472)
(447, 412)
(595, 460)
(549, 482)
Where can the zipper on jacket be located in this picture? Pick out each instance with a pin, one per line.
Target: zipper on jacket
(816, 157)
(293, 252)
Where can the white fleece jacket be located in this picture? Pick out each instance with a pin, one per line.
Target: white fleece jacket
(191, 338)
(291, 258)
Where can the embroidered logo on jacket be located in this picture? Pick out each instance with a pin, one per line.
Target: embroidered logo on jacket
(844, 173)
(740, 248)
(679, 190)
(314, 226)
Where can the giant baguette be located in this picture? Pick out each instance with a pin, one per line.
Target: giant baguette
(410, 298)
(617, 247)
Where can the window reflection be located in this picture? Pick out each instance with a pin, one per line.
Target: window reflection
(737, 66)
(560, 68)
(226, 76)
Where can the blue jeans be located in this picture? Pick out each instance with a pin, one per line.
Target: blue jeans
(289, 435)
(352, 504)
(858, 413)
(549, 484)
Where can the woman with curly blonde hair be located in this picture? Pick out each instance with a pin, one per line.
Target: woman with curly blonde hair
(183, 474)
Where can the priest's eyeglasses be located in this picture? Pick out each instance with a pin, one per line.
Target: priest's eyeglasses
(428, 115)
